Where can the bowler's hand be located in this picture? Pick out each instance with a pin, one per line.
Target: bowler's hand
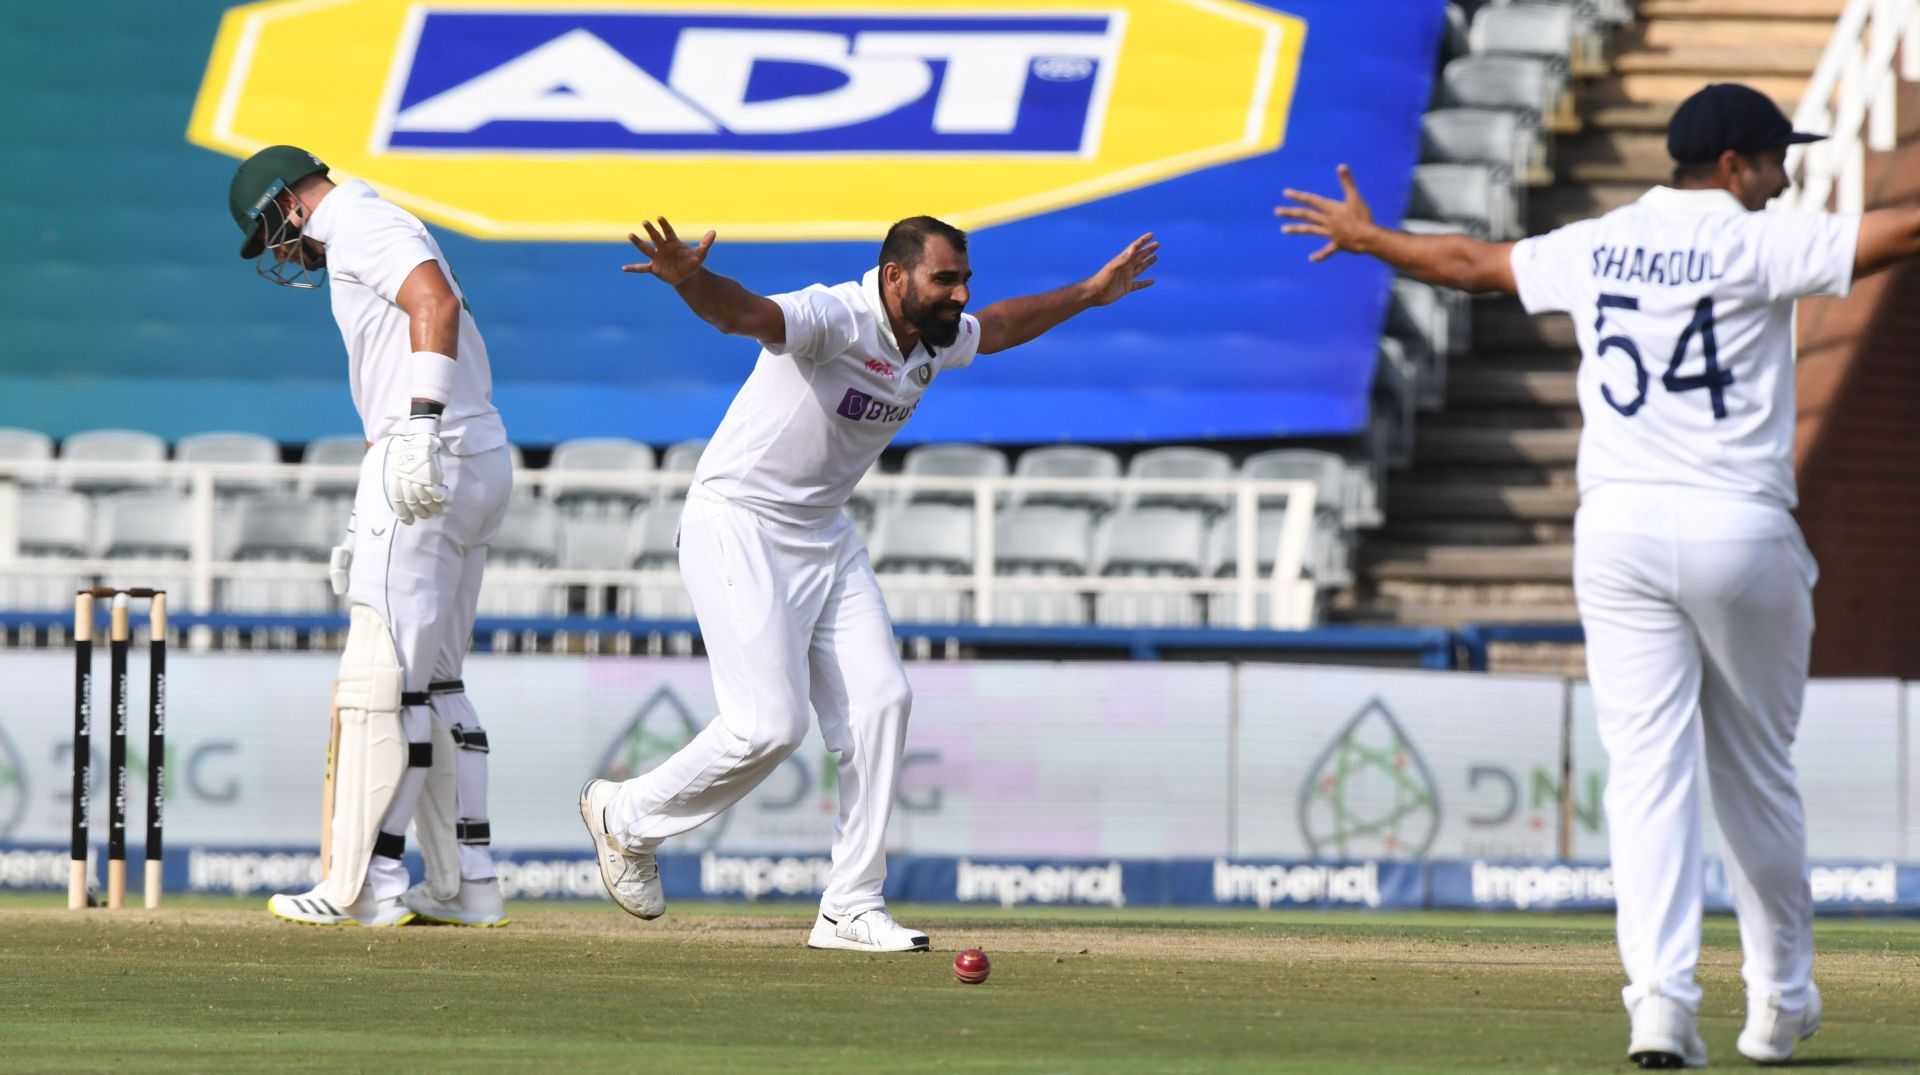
(668, 258)
(1345, 225)
(1121, 275)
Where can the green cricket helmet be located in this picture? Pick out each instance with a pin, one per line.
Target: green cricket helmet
(256, 184)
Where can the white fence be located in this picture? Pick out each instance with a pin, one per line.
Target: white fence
(1851, 98)
(1284, 597)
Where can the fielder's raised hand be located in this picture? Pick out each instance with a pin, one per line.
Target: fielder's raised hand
(1346, 225)
(1121, 276)
(668, 258)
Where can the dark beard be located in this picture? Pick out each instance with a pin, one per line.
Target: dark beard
(929, 320)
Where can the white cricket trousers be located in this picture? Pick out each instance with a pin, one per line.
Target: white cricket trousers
(423, 578)
(790, 615)
(1698, 608)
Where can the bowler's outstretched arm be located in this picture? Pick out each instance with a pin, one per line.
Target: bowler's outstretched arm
(1012, 322)
(715, 299)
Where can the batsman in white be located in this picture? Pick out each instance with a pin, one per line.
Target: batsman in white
(1694, 585)
(433, 489)
(787, 601)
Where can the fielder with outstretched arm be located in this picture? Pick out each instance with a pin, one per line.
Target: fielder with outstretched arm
(1693, 582)
(788, 605)
(433, 490)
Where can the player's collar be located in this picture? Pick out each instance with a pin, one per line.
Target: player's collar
(1674, 200)
(326, 215)
(870, 287)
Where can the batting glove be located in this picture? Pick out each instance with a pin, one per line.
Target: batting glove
(414, 488)
(340, 561)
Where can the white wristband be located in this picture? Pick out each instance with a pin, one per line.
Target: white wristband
(432, 376)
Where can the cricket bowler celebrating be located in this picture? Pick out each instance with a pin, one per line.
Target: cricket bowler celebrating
(1694, 585)
(788, 605)
(433, 489)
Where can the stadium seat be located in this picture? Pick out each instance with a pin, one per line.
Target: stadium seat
(1417, 317)
(282, 529)
(1151, 542)
(1544, 31)
(919, 540)
(595, 544)
(529, 537)
(228, 448)
(330, 452)
(1327, 471)
(1069, 461)
(1485, 136)
(25, 446)
(1519, 84)
(952, 461)
(1478, 197)
(52, 523)
(682, 458)
(1396, 390)
(112, 446)
(1187, 464)
(1044, 541)
(146, 525)
(569, 475)
(653, 536)
(156, 525)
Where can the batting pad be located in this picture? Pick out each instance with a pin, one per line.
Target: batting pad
(435, 815)
(373, 749)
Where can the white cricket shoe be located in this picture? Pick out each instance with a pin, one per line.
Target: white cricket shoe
(1772, 1033)
(1665, 1034)
(313, 908)
(478, 903)
(632, 877)
(868, 931)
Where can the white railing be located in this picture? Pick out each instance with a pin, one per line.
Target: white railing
(1851, 99)
(1288, 589)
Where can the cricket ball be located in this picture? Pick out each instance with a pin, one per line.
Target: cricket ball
(971, 966)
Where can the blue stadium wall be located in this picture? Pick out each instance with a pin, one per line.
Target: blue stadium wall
(122, 301)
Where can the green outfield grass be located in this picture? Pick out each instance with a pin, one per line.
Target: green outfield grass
(218, 985)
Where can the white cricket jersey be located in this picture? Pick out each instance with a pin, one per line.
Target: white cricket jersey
(1683, 306)
(372, 247)
(813, 417)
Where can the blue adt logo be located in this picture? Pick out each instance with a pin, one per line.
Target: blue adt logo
(762, 84)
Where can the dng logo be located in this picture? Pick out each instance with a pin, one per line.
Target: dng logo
(762, 119)
(758, 83)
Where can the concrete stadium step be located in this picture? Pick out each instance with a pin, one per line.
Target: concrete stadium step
(1470, 563)
(1566, 203)
(1748, 62)
(1503, 325)
(1817, 10)
(1524, 415)
(1456, 610)
(1526, 447)
(1473, 384)
(1493, 533)
(1742, 30)
(1408, 501)
(1617, 156)
(1670, 87)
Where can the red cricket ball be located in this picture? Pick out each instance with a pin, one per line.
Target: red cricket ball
(971, 966)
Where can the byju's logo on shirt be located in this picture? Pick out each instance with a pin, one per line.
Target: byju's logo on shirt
(861, 407)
